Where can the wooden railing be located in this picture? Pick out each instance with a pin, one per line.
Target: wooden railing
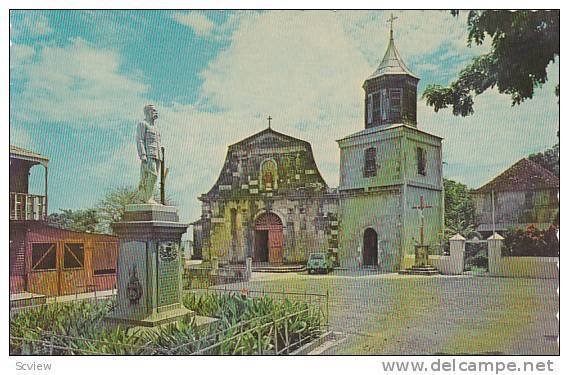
(27, 207)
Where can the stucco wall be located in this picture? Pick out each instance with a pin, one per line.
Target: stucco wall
(432, 147)
(433, 219)
(377, 210)
(352, 161)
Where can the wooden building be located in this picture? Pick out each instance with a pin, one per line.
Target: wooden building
(524, 194)
(45, 259)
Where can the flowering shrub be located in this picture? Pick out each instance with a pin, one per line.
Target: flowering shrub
(532, 241)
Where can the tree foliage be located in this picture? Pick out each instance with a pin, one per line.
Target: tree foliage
(548, 159)
(523, 44)
(80, 220)
(110, 209)
(459, 209)
(112, 206)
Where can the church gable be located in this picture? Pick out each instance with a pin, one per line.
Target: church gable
(268, 163)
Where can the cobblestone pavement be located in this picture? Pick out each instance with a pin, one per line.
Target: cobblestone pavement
(395, 314)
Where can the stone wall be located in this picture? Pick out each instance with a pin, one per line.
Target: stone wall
(307, 227)
(378, 210)
(531, 267)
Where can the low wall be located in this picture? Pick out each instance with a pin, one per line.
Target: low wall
(533, 267)
(446, 264)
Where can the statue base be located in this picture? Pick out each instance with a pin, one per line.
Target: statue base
(149, 272)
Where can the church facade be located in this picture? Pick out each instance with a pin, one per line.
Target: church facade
(386, 171)
(269, 203)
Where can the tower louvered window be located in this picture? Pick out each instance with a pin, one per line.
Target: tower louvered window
(370, 165)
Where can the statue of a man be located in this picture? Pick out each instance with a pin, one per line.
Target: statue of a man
(149, 152)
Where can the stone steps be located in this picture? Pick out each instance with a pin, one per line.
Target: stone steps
(279, 269)
(420, 270)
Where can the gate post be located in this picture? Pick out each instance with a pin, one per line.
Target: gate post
(248, 267)
(457, 246)
(495, 242)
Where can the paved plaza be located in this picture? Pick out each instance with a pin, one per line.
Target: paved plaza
(394, 314)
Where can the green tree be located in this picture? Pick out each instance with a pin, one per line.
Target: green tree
(548, 159)
(112, 206)
(523, 44)
(80, 220)
(459, 209)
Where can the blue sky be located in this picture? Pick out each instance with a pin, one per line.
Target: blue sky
(79, 81)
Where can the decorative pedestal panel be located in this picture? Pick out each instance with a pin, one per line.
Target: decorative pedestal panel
(149, 272)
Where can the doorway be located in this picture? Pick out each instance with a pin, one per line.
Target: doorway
(370, 248)
(268, 239)
(261, 253)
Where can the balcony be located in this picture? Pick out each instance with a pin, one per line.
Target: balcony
(28, 207)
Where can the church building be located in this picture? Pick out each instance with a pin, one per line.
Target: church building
(387, 170)
(269, 203)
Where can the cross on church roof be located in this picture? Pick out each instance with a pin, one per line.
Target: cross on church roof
(269, 118)
(390, 20)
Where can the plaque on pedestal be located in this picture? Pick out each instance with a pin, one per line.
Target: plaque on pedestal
(149, 272)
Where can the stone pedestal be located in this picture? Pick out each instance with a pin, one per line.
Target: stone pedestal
(421, 266)
(149, 273)
(421, 255)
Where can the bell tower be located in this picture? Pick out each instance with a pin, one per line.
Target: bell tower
(391, 91)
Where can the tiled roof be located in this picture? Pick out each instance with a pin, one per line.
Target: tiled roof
(524, 175)
(16, 151)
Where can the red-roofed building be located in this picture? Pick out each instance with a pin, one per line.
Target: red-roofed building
(524, 194)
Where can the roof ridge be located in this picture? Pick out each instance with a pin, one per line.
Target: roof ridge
(506, 178)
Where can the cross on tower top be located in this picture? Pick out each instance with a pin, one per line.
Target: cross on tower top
(390, 20)
(269, 118)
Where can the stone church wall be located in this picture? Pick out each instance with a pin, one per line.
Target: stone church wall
(306, 227)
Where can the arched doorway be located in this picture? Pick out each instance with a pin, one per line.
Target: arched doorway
(370, 248)
(268, 239)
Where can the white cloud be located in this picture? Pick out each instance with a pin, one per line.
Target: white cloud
(78, 85)
(32, 24)
(20, 53)
(197, 21)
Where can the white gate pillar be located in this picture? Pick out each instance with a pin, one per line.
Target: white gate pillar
(495, 243)
(457, 246)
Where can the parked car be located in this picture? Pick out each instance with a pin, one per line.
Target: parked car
(320, 262)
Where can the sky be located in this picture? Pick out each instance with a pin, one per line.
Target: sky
(79, 81)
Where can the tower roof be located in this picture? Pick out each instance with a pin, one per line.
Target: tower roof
(392, 62)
